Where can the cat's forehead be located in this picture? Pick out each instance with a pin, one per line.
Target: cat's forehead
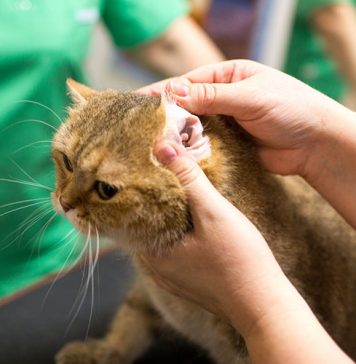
(119, 106)
(102, 161)
(113, 132)
(119, 114)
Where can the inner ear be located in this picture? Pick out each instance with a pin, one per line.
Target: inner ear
(184, 128)
(79, 92)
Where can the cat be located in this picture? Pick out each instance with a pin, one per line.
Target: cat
(108, 179)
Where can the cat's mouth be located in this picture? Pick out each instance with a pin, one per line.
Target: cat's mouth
(79, 220)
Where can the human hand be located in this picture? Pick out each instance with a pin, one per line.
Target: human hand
(297, 129)
(224, 265)
(287, 118)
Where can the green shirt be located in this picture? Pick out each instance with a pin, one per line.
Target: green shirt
(307, 59)
(42, 43)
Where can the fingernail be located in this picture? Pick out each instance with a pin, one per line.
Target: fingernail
(166, 155)
(179, 89)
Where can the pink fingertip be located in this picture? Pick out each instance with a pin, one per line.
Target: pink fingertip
(166, 154)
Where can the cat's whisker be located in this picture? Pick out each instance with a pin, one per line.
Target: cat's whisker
(28, 221)
(32, 220)
(64, 265)
(28, 121)
(22, 207)
(81, 289)
(34, 215)
(44, 106)
(25, 201)
(26, 225)
(90, 281)
(40, 234)
(24, 172)
(80, 261)
(97, 269)
(27, 175)
(67, 236)
(32, 144)
(91, 277)
(83, 267)
(35, 221)
(68, 242)
(28, 183)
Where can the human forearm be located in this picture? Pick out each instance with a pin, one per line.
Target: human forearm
(336, 24)
(290, 333)
(184, 46)
(331, 169)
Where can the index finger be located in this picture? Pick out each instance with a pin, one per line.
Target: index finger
(154, 89)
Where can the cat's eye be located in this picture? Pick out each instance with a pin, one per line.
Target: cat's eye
(104, 190)
(67, 163)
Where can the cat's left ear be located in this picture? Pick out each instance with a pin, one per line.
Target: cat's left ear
(184, 128)
(79, 92)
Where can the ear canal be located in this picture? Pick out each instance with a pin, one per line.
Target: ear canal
(184, 128)
(79, 92)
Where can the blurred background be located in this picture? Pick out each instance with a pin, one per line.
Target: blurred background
(252, 29)
(131, 43)
(312, 40)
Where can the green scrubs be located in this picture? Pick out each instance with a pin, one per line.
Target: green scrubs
(307, 58)
(43, 42)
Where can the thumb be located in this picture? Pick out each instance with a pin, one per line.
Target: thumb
(190, 175)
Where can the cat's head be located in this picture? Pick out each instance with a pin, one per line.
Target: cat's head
(107, 177)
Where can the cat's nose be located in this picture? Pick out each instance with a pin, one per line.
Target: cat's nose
(65, 205)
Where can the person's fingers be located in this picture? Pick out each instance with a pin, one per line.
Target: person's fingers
(216, 73)
(225, 72)
(228, 72)
(197, 186)
(209, 98)
(155, 89)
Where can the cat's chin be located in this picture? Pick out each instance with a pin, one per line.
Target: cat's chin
(120, 237)
(128, 243)
(80, 225)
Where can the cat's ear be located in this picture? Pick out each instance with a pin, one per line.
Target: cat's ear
(78, 92)
(184, 128)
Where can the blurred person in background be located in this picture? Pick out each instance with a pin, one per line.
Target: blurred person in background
(322, 51)
(42, 44)
(322, 46)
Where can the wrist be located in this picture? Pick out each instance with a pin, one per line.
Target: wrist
(260, 301)
(328, 151)
(331, 168)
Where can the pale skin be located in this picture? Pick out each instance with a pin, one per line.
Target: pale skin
(225, 264)
(181, 48)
